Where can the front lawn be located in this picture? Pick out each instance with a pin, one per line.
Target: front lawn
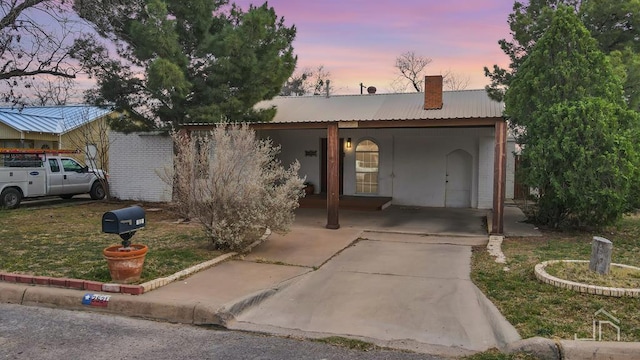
(67, 242)
(538, 309)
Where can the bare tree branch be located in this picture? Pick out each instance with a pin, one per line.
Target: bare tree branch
(455, 82)
(307, 82)
(36, 40)
(51, 92)
(411, 68)
(15, 10)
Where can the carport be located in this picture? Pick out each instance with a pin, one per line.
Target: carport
(428, 148)
(404, 219)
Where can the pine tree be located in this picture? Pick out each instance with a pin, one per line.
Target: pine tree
(181, 62)
(577, 133)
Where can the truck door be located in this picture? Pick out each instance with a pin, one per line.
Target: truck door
(75, 179)
(55, 177)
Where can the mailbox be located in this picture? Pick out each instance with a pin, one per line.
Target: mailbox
(123, 222)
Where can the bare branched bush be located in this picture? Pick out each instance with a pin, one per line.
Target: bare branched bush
(181, 175)
(234, 185)
(89, 135)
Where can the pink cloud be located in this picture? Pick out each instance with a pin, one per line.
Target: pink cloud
(358, 41)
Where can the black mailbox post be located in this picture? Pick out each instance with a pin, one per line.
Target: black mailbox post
(124, 222)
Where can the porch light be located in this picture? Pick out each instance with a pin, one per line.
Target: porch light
(348, 143)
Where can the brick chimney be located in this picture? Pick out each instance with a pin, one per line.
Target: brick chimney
(433, 92)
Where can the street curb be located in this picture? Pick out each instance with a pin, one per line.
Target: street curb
(12, 294)
(117, 304)
(599, 350)
(541, 348)
(547, 349)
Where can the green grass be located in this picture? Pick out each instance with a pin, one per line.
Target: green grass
(579, 272)
(538, 309)
(67, 242)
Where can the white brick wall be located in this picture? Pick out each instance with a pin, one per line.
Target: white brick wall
(136, 159)
(412, 161)
(134, 162)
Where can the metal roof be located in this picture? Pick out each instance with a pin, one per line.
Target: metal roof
(465, 104)
(50, 119)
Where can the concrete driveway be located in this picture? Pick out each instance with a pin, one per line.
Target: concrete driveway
(397, 278)
(395, 286)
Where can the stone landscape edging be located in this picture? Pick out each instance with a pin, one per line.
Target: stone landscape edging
(140, 289)
(543, 276)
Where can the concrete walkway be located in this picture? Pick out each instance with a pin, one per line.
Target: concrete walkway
(401, 291)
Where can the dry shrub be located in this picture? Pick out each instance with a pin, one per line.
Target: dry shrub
(233, 184)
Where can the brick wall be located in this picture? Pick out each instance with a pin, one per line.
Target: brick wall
(433, 92)
(134, 163)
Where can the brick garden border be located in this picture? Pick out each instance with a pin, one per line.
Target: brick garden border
(543, 276)
(80, 284)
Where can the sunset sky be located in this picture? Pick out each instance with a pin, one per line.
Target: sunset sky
(358, 41)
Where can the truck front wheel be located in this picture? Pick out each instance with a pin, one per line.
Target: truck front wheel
(97, 191)
(10, 198)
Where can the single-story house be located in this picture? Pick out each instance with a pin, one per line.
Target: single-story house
(433, 149)
(73, 127)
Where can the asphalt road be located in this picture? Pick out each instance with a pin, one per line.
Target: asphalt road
(42, 333)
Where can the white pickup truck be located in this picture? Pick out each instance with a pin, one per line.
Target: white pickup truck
(29, 175)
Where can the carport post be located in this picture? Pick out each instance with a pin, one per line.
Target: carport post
(499, 177)
(333, 177)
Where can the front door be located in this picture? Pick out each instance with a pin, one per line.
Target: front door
(323, 165)
(458, 180)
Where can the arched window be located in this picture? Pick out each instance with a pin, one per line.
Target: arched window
(367, 167)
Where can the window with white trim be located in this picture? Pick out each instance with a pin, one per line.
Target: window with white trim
(367, 167)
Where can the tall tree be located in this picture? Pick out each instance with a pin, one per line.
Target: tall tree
(411, 69)
(578, 135)
(36, 38)
(614, 23)
(307, 82)
(455, 82)
(177, 61)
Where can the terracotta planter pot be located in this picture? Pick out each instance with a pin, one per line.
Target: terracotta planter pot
(125, 266)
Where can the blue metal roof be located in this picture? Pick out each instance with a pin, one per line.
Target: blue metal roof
(50, 119)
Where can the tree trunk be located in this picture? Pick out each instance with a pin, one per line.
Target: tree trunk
(600, 255)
